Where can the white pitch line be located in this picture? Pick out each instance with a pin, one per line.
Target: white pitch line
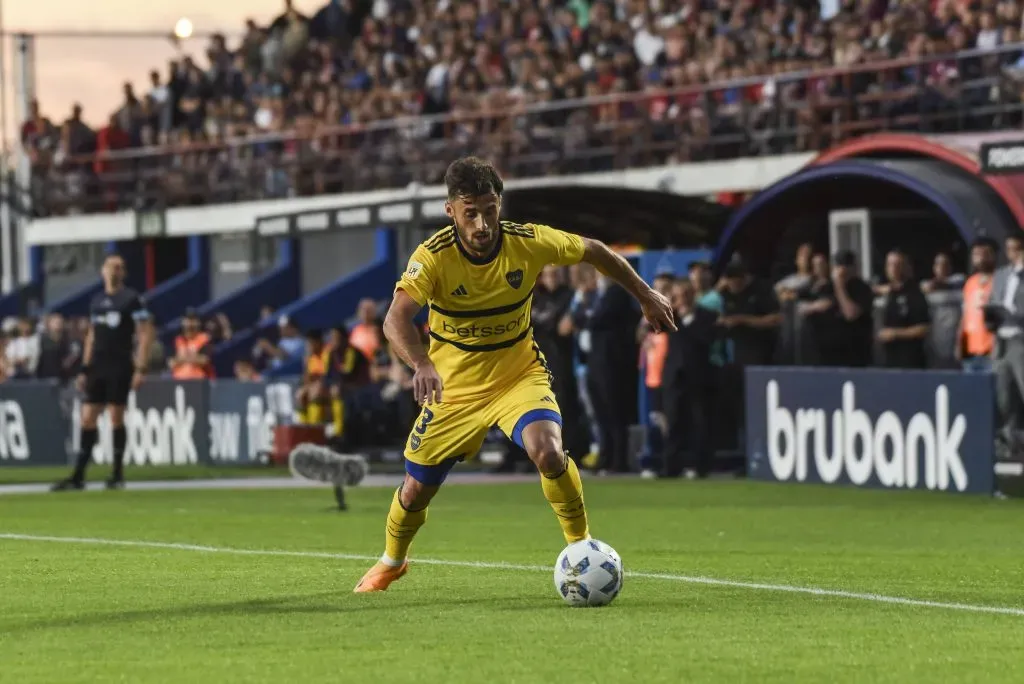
(689, 579)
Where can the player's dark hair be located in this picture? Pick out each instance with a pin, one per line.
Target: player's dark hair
(472, 177)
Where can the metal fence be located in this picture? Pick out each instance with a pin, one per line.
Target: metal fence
(786, 112)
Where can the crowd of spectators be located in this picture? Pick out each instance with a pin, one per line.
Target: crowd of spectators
(50, 348)
(310, 96)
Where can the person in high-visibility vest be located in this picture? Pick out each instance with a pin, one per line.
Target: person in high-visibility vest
(193, 351)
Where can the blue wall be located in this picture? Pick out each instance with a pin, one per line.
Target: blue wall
(328, 307)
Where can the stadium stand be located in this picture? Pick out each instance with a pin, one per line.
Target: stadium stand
(382, 94)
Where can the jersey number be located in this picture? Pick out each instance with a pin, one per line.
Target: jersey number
(421, 428)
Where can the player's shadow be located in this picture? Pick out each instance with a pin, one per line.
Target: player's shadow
(320, 603)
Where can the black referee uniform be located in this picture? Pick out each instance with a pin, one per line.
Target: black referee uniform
(108, 376)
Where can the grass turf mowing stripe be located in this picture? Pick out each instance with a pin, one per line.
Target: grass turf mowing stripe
(709, 581)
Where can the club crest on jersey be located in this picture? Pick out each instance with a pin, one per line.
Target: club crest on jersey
(515, 278)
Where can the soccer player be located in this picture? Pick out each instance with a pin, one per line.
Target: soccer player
(483, 367)
(108, 373)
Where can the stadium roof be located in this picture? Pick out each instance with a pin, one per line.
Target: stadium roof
(620, 215)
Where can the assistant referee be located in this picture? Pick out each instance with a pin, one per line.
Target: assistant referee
(108, 371)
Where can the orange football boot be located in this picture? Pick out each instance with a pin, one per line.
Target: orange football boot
(380, 577)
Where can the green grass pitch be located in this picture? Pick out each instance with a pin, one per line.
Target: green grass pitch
(186, 606)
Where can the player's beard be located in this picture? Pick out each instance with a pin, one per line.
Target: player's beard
(481, 245)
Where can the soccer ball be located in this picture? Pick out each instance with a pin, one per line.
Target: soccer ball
(588, 573)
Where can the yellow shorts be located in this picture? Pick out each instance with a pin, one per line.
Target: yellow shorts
(447, 433)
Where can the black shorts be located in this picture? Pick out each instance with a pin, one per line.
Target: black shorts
(108, 386)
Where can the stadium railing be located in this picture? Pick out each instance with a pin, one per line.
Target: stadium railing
(787, 112)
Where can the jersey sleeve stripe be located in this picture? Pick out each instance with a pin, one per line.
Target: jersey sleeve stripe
(519, 231)
(434, 249)
(496, 346)
(481, 313)
(445, 234)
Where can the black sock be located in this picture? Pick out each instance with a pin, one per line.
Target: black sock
(120, 441)
(88, 438)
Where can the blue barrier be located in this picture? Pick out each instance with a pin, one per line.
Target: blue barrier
(871, 428)
(277, 287)
(36, 425)
(328, 307)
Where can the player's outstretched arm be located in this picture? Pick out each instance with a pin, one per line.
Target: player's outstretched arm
(656, 307)
(404, 339)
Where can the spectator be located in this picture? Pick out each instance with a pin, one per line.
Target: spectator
(349, 365)
(709, 298)
(750, 322)
(56, 359)
(156, 364)
(22, 351)
(974, 344)
(688, 385)
(348, 369)
(841, 315)
(1005, 314)
(584, 281)
(3, 356)
(943, 279)
(193, 351)
(653, 349)
(750, 316)
(611, 324)
(38, 137)
(290, 345)
(905, 318)
(552, 300)
(367, 334)
(218, 328)
(312, 394)
(790, 287)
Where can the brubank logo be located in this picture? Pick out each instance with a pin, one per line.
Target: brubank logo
(155, 436)
(13, 436)
(897, 454)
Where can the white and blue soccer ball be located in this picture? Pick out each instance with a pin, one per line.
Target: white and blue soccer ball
(588, 573)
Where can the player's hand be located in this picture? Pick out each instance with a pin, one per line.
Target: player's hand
(426, 384)
(137, 379)
(658, 311)
(80, 382)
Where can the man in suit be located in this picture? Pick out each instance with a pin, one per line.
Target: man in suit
(612, 372)
(1004, 314)
(688, 384)
(552, 301)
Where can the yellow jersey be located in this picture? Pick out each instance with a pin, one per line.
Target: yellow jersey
(479, 318)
